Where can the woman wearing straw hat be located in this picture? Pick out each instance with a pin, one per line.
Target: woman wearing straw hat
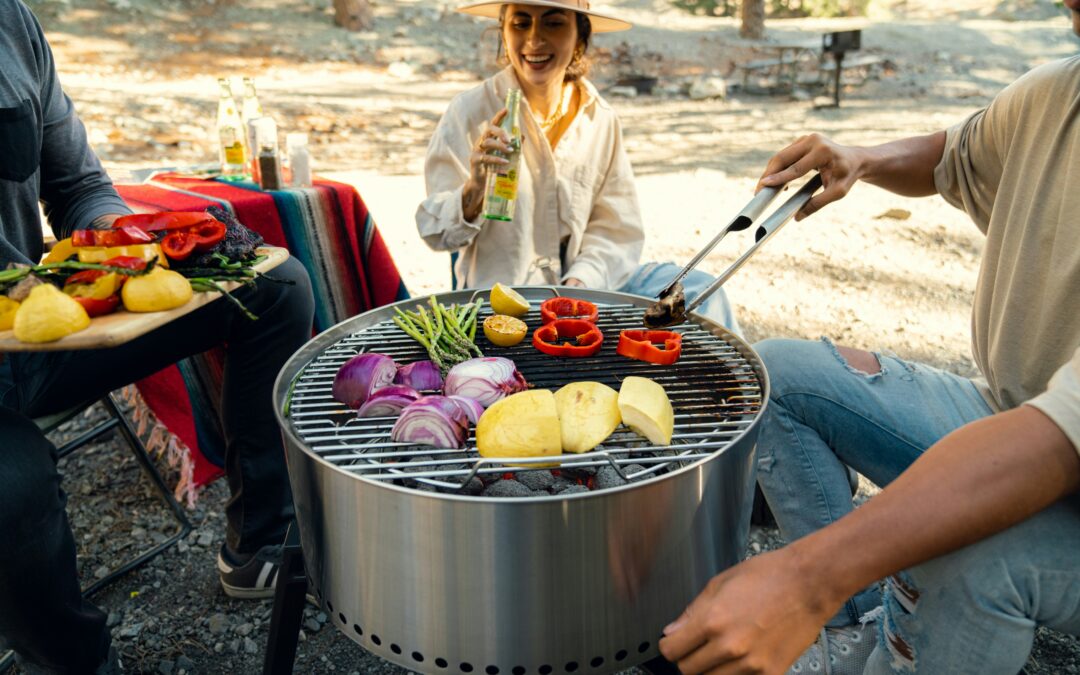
(576, 220)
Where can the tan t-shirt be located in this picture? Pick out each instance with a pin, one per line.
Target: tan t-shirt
(1061, 401)
(1015, 169)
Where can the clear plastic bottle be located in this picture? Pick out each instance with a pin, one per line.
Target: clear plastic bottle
(230, 130)
(500, 193)
(296, 146)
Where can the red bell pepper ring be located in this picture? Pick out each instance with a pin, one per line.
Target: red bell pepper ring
(113, 236)
(587, 337)
(568, 308)
(641, 345)
(180, 243)
(164, 220)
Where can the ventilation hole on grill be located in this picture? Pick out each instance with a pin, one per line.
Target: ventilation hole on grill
(492, 670)
(620, 655)
(518, 670)
(418, 657)
(466, 667)
(643, 647)
(343, 619)
(376, 640)
(394, 648)
(441, 662)
(545, 670)
(597, 661)
(358, 629)
(571, 667)
(318, 593)
(330, 606)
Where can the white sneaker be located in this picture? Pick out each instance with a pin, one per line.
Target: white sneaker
(839, 651)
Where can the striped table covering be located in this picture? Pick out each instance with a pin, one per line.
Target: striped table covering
(327, 228)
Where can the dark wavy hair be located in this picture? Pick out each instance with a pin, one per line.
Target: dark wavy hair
(578, 67)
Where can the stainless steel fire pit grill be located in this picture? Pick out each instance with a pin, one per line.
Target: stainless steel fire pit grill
(417, 568)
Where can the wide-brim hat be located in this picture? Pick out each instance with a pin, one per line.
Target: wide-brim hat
(602, 22)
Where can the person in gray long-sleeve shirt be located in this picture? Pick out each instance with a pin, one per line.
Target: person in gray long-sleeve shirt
(44, 157)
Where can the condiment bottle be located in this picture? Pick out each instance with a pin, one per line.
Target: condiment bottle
(269, 162)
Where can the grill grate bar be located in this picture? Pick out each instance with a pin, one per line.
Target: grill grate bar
(714, 390)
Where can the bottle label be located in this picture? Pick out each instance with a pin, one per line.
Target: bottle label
(506, 185)
(234, 154)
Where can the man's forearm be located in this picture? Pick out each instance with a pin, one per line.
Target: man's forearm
(975, 482)
(905, 167)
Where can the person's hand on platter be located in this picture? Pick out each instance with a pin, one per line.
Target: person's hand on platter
(839, 165)
(492, 138)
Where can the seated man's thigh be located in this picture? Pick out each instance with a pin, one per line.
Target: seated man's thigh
(975, 610)
(877, 413)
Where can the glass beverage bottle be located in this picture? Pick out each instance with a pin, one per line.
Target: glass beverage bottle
(230, 133)
(500, 193)
(250, 109)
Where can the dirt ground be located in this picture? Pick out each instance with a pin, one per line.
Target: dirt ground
(875, 271)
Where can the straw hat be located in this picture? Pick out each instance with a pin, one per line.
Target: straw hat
(601, 22)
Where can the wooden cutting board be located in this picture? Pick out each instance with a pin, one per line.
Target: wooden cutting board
(120, 327)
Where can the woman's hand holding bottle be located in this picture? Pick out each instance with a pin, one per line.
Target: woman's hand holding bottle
(492, 138)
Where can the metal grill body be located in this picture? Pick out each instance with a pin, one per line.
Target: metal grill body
(441, 581)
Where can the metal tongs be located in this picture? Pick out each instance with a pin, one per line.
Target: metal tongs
(671, 308)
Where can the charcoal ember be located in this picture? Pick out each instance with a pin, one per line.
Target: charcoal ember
(560, 484)
(507, 488)
(239, 242)
(539, 481)
(631, 469)
(608, 477)
(573, 489)
(474, 487)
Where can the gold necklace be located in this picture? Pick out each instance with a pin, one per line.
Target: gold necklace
(551, 120)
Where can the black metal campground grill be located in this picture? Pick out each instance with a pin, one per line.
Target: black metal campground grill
(712, 387)
(413, 564)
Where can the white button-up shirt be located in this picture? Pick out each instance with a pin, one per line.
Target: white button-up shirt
(584, 189)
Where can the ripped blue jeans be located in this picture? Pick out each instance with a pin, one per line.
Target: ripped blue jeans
(823, 414)
(974, 611)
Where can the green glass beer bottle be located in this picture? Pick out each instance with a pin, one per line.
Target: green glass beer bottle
(500, 193)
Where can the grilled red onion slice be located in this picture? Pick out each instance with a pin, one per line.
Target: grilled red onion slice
(471, 408)
(388, 401)
(360, 376)
(432, 420)
(484, 380)
(421, 376)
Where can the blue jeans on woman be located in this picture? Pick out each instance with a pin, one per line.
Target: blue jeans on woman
(651, 278)
(973, 611)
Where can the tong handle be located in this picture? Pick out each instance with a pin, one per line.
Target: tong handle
(765, 231)
(751, 212)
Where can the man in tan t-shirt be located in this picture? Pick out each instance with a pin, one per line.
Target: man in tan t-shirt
(994, 462)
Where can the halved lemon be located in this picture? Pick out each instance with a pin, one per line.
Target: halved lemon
(505, 300)
(504, 331)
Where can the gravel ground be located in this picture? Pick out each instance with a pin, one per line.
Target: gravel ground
(171, 617)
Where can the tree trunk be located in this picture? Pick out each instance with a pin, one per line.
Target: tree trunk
(353, 14)
(753, 19)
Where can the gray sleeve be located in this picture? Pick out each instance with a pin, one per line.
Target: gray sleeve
(74, 187)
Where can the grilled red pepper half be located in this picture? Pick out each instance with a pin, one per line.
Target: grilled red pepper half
(641, 345)
(165, 220)
(111, 236)
(96, 290)
(129, 262)
(568, 308)
(587, 338)
(182, 242)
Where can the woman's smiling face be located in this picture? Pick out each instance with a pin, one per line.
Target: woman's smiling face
(540, 42)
